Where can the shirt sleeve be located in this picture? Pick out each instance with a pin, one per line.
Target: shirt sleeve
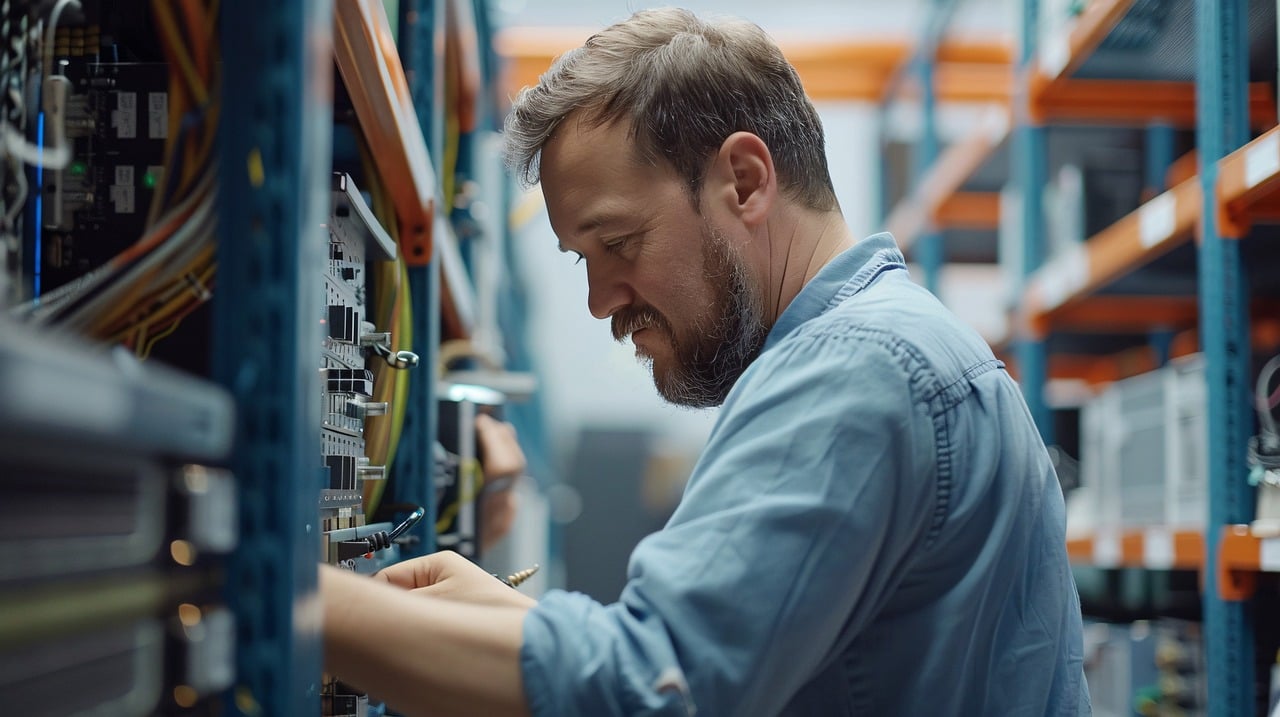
(817, 484)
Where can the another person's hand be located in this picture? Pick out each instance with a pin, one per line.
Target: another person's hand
(450, 576)
(503, 464)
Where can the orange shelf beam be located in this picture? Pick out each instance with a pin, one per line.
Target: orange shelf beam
(969, 69)
(1248, 180)
(1153, 229)
(1136, 102)
(1127, 314)
(1152, 548)
(1098, 370)
(969, 210)
(1241, 556)
(971, 82)
(1054, 95)
(365, 52)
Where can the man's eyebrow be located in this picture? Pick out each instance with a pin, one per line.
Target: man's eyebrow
(595, 223)
(599, 221)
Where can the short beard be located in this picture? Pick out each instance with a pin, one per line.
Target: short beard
(711, 357)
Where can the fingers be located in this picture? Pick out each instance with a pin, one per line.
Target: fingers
(423, 571)
(502, 455)
(483, 589)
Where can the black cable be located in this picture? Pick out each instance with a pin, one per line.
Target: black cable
(382, 539)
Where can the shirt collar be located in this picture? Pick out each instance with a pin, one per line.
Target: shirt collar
(845, 275)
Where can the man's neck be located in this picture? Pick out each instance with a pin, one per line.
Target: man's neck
(800, 242)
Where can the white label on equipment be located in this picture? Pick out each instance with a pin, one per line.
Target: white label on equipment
(1157, 219)
(124, 174)
(1157, 549)
(1269, 555)
(1052, 290)
(1106, 550)
(1062, 277)
(122, 198)
(1262, 161)
(125, 118)
(157, 115)
(1075, 267)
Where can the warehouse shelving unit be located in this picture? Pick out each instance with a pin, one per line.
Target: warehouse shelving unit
(1181, 273)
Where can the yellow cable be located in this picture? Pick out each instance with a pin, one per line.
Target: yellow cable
(155, 339)
(171, 294)
(172, 299)
(401, 393)
(469, 475)
(389, 302)
(169, 27)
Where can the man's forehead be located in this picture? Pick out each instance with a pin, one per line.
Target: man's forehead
(582, 137)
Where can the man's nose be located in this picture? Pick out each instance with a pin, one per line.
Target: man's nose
(606, 293)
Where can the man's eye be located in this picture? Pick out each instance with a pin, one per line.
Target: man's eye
(616, 245)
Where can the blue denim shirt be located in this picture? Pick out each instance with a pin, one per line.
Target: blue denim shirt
(874, 528)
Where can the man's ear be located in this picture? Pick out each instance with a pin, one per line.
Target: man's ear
(743, 177)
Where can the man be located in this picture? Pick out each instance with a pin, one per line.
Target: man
(874, 526)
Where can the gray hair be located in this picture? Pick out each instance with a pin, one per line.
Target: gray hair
(684, 85)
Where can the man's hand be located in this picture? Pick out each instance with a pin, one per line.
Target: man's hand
(450, 576)
(424, 655)
(503, 464)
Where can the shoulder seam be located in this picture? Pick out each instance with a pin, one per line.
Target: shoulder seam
(926, 388)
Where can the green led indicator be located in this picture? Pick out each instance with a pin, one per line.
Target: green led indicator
(78, 169)
(149, 180)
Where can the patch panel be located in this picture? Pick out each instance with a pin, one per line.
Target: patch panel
(355, 240)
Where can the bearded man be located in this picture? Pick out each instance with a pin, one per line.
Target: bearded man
(874, 526)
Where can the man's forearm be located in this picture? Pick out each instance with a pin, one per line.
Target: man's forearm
(422, 655)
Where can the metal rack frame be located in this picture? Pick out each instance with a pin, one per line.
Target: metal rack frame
(274, 142)
(421, 44)
(1222, 107)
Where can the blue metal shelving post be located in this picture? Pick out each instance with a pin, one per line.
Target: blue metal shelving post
(272, 199)
(421, 24)
(1223, 126)
(1159, 155)
(931, 252)
(1030, 171)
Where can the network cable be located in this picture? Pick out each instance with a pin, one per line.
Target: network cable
(382, 539)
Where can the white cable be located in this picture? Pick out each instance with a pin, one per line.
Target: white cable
(54, 92)
(200, 228)
(52, 301)
(51, 33)
(20, 200)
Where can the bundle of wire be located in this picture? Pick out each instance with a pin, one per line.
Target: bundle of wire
(142, 294)
(392, 309)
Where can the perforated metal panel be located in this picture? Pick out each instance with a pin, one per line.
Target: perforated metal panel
(273, 195)
(1156, 40)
